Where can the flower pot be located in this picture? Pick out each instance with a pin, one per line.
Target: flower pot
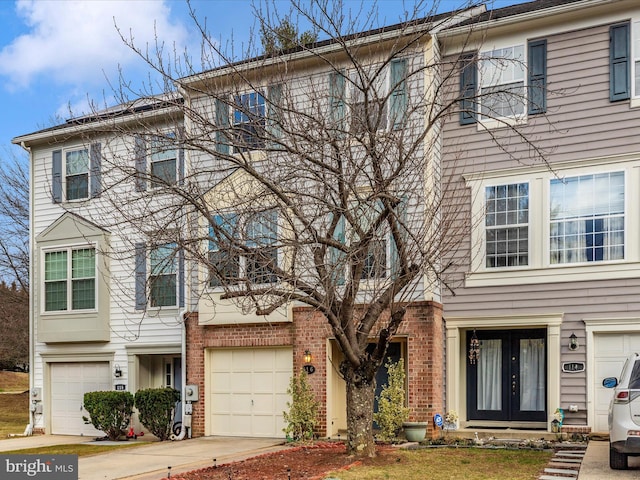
(415, 431)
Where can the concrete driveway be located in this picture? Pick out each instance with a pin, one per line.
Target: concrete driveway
(151, 461)
(595, 465)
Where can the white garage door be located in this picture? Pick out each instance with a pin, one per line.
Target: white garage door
(610, 352)
(248, 391)
(69, 383)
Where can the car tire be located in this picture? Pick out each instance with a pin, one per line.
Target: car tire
(617, 460)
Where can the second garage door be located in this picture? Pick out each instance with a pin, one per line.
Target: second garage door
(247, 391)
(610, 352)
(69, 383)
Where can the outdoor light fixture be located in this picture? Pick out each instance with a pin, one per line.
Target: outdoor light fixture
(307, 356)
(474, 349)
(573, 342)
(117, 372)
(307, 367)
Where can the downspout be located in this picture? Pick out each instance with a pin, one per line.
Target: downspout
(32, 404)
(183, 374)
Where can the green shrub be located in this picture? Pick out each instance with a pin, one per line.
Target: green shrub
(109, 411)
(391, 409)
(155, 409)
(302, 416)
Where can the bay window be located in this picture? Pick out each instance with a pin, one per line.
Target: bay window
(69, 279)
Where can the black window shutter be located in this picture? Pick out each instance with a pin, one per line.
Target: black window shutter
(96, 166)
(141, 276)
(141, 164)
(537, 77)
(56, 176)
(619, 63)
(468, 88)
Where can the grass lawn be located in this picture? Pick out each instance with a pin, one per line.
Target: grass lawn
(453, 463)
(80, 449)
(14, 412)
(13, 381)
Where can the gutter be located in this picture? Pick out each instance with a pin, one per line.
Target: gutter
(528, 16)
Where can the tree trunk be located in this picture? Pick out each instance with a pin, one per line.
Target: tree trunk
(361, 387)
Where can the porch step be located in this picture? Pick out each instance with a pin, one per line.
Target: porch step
(562, 471)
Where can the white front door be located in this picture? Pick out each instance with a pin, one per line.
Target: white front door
(69, 383)
(247, 391)
(610, 352)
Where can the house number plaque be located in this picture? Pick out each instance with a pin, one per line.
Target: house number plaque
(121, 386)
(309, 369)
(573, 367)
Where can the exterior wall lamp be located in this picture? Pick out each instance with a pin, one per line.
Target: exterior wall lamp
(307, 367)
(117, 372)
(307, 356)
(573, 342)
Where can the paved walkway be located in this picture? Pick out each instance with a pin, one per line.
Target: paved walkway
(151, 461)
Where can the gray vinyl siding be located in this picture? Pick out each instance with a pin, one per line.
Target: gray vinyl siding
(581, 123)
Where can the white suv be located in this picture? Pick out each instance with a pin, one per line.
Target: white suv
(624, 414)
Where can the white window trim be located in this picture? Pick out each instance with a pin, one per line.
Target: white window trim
(539, 269)
(260, 152)
(150, 274)
(151, 150)
(69, 310)
(500, 122)
(384, 87)
(64, 152)
(242, 260)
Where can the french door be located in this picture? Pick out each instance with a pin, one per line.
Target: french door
(508, 381)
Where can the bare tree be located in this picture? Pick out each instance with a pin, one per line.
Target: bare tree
(310, 177)
(14, 220)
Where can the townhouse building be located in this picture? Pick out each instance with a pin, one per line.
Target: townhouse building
(545, 303)
(540, 157)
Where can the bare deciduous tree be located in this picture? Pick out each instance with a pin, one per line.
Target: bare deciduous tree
(310, 178)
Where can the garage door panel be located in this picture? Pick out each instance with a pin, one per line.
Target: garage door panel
(257, 382)
(69, 382)
(610, 352)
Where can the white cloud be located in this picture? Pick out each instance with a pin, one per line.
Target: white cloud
(76, 44)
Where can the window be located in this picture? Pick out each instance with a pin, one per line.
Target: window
(507, 82)
(70, 279)
(228, 266)
(76, 173)
(225, 265)
(507, 225)
(587, 218)
(379, 103)
(249, 121)
(163, 277)
(159, 161)
(163, 161)
(375, 263)
(502, 91)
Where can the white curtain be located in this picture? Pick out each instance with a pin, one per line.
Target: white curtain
(532, 371)
(490, 375)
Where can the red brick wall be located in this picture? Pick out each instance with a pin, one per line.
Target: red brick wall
(422, 328)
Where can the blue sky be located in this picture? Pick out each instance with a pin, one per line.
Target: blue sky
(57, 54)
